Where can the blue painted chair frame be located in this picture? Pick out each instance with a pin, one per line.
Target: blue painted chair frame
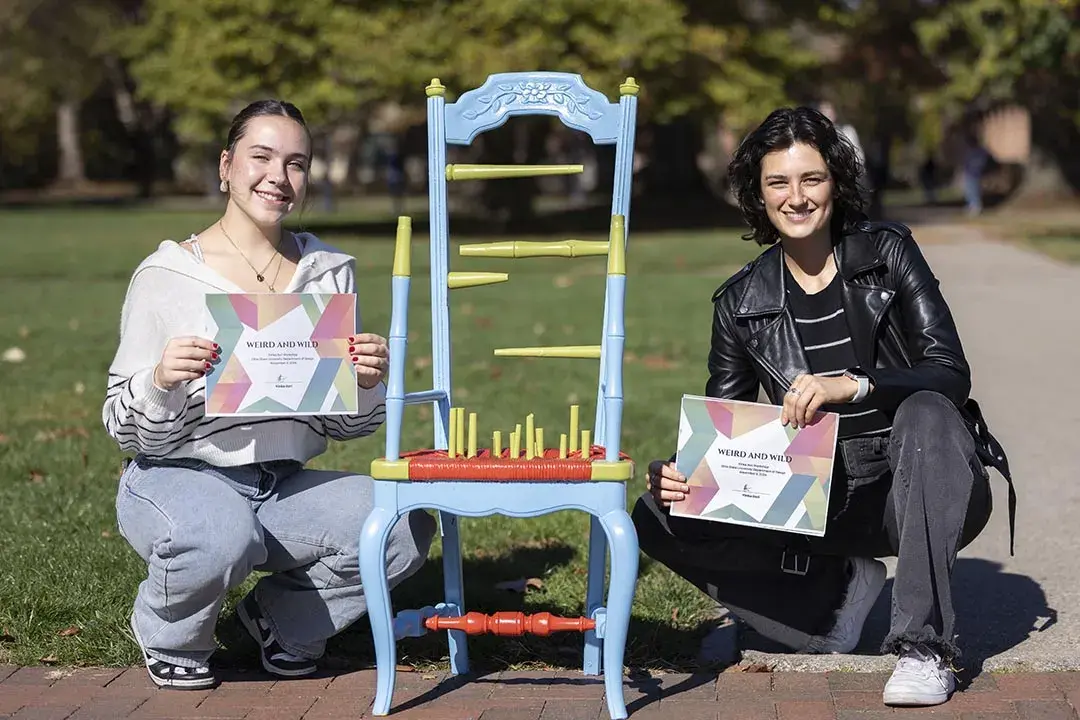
(581, 108)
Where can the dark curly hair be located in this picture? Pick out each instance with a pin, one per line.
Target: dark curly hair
(780, 130)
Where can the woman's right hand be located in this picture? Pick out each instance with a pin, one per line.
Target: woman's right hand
(665, 483)
(184, 358)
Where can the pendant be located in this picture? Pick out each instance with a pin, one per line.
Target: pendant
(259, 277)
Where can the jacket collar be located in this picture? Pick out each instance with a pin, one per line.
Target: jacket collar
(764, 294)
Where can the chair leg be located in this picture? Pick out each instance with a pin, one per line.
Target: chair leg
(373, 538)
(594, 595)
(454, 590)
(624, 567)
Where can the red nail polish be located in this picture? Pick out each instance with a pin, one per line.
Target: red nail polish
(213, 356)
(352, 349)
(208, 366)
(352, 339)
(355, 359)
(216, 346)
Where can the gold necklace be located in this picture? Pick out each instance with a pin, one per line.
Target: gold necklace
(281, 259)
(260, 276)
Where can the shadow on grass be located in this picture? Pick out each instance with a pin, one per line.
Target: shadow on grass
(651, 643)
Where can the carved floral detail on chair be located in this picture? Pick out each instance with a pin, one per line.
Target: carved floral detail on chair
(533, 93)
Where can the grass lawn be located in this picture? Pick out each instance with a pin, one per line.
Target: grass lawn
(67, 578)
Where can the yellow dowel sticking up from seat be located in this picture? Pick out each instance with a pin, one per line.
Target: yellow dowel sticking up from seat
(562, 446)
(539, 442)
(493, 172)
(402, 248)
(617, 246)
(461, 431)
(586, 443)
(515, 442)
(535, 248)
(585, 352)
(457, 280)
(496, 443)
(530, 437)
(573, 428)
(451, 450)
(472, 435)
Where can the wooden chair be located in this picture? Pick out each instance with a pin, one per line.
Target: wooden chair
(524, 479)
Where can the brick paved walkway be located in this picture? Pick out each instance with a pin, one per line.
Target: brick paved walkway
(110, 694)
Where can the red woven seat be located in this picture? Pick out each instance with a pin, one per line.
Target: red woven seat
(436, 465)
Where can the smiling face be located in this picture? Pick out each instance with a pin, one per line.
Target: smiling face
(797, 190)
(267, 169)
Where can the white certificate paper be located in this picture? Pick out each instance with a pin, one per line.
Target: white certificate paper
(281, 354)
(745, 468)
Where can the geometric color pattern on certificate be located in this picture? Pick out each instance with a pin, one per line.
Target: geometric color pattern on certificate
(782, 479)
(326, 377)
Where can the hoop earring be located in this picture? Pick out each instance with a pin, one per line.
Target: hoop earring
(224, 186)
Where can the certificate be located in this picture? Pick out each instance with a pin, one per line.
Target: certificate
(281, 354)
(745, 468)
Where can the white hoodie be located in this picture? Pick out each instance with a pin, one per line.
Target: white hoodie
(166, 299)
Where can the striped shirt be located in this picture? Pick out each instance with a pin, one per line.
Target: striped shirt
(827, 342)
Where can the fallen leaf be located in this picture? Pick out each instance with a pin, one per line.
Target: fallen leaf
(563, 281)
(658, 362)
(483, 322)
(3, 438)
(24, 332)
(467, 308)
(70, 631)
(49, 660)
(79, 388)
(495, 372)
(675, 615)
(755, 668)
(539, 329)
(73, 323)
(520, 585)
(106, 534)
(36, 476)
(14, 355)
(406, 668)
(422, 362)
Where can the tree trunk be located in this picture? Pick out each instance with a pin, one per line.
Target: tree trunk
(138, 129)
(72, 169)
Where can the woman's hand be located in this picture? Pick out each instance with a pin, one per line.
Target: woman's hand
(665, 483)
(370, 357)
(184, 359)
(809, 392)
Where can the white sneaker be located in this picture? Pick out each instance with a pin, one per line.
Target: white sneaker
(867, 579)
(920, 678)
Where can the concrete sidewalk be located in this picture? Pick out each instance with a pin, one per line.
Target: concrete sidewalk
(98, 694)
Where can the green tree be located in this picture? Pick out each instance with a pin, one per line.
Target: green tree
(1014, 51)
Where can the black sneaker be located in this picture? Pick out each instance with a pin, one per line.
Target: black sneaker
(167, 675)
(275, 659)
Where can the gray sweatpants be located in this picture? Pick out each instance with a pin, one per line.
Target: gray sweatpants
(202, 530)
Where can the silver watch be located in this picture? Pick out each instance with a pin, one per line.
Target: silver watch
(864, 385)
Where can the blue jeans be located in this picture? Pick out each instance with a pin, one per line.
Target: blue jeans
(203, 529)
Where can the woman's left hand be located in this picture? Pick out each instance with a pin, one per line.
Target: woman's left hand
(370, 357)
(809, 392)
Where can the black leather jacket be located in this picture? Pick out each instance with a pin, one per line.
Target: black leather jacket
(902, 330)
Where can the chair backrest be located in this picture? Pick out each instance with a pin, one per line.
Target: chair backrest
(502, 96)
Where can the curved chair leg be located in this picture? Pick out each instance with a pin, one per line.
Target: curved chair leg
(373, 538)
(454, 590)
(624, 566)
(594, 594)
